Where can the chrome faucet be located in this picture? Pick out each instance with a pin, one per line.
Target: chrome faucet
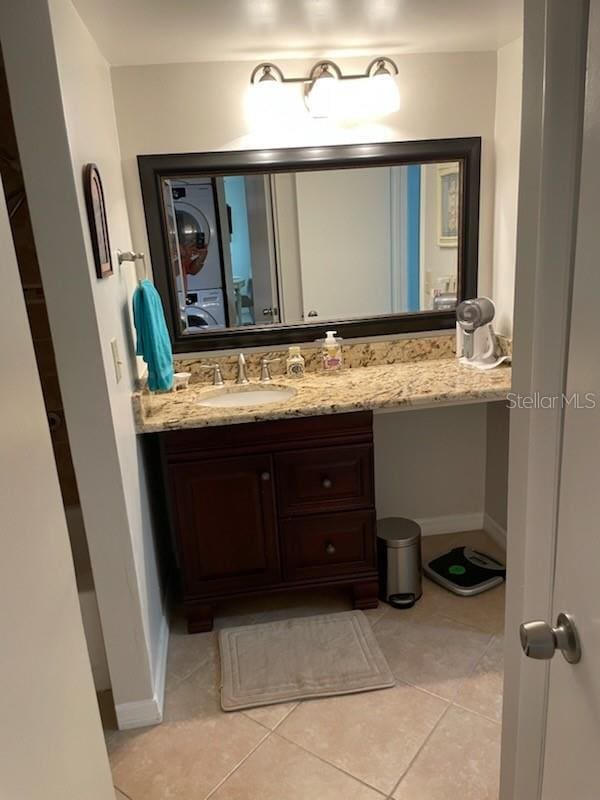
(242, 377)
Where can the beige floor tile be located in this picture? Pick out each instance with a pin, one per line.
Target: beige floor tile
(431, 652)
(482, 691)
(270, 716)
(279, 770)
(484, 611)
(181, 761)
(191, 652)
(375, 614)
(190, 700)
(460, 760)
(372, 735)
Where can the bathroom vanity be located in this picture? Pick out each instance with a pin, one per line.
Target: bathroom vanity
(263, 249)
(269, 506)
(281, 496)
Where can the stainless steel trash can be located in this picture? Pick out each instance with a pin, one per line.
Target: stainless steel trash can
(399, 560)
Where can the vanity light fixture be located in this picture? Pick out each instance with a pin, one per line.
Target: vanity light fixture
(321, 86)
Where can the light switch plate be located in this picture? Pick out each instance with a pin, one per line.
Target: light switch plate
(116, 359)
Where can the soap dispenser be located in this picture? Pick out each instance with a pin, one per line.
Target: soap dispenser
(295, 363)
(332, 352)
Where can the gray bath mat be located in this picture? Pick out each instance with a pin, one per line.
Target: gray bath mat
(300, 658)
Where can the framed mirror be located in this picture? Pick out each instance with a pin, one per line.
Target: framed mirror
(271, 247)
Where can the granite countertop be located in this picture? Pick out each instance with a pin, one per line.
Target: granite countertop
(397, 386)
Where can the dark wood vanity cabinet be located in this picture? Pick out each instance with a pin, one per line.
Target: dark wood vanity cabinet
(269, 506)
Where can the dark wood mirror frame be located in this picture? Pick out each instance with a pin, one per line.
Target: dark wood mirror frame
(153, 168)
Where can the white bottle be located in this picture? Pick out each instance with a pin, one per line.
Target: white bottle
(332, 352)
(295, 363)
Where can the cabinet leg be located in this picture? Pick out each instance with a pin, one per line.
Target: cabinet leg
(365, 594)
(199, 618)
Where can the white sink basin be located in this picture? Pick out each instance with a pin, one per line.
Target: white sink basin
(246, 395)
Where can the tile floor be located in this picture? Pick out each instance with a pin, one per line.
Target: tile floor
(435, 736)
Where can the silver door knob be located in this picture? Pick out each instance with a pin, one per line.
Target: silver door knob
(312, 313)
(330, 549)
(327, 483)
(541, 640)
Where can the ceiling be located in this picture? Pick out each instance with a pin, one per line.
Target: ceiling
(163, 31)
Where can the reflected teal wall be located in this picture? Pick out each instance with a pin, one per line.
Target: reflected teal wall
(413, 238)
(235, 196)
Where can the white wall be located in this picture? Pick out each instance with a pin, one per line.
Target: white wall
(51, 744)
(64, 117)
(507, 138)
(430, 466)
(201, 106)
(496, 467)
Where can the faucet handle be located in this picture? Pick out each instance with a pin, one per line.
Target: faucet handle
(217, 375)
(265, 372)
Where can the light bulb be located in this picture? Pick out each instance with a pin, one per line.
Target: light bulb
(322, 96)
(264, 103)
(385, 94)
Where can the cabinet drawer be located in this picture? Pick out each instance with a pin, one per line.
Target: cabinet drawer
(325, 479)
(328, 545)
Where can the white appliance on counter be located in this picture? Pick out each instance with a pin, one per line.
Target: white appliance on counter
(476, 342)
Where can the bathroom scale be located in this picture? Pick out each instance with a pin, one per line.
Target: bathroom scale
(465, 571)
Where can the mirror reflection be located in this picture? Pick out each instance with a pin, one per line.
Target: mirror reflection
(256, 250)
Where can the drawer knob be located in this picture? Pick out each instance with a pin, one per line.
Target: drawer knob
(265, 476)
(327, 483)
(330, 549)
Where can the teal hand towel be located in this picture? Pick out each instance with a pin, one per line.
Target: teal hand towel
(153, 342)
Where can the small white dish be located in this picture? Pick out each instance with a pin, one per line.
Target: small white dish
(181, 380)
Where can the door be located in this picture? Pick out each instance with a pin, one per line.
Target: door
(262, 250)
(552, 749)
(174, 253)
(571, 762)
(51, 743)
(344, 220)
(226, 526)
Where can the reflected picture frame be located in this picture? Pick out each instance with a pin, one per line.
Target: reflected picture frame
(96, 211)
(448, 204)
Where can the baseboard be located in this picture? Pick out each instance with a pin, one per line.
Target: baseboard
(452, 523)
(138, 714)
(141, 713)
(496, 531)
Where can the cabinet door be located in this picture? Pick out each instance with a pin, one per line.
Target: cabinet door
(224, 513)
